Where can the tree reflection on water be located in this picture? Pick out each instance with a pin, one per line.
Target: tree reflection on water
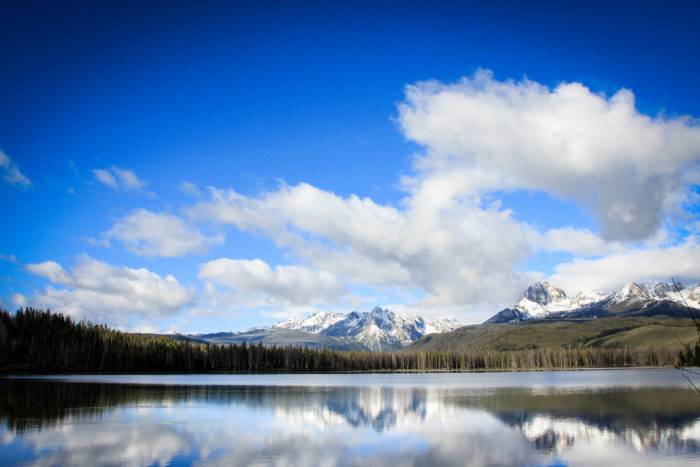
(66, 422)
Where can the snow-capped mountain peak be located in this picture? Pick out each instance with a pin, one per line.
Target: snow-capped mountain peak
(441, 325)
(587, 297)
(544, 293)
(650, 291)
(539, 301)
(378, 329)
(314, 323)
(662, 289)
(632, 290)
(544, 301)
(693, 294)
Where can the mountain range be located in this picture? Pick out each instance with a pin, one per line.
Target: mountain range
(544, 301)
(377, 330)
(385, 330)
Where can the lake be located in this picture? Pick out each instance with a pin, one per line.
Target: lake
(597, 417)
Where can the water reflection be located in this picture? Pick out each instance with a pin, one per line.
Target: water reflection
(645, 419)
(59, 423)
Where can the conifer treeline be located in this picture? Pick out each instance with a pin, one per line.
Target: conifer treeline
(40, 341)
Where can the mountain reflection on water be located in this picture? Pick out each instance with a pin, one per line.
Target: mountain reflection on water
(55, 422)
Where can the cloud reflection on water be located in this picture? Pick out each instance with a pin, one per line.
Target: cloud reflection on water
(49, 423)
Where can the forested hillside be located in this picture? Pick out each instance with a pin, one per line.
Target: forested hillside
(660, 332)
(40, 341)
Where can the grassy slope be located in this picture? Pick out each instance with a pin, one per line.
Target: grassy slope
(604, 332)
(646, 336)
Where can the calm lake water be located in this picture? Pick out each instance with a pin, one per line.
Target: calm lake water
(609, 417)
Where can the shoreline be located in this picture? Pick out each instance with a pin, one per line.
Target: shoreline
(19, 375)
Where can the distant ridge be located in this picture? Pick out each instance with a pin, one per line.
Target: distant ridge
(638, 317)
(385, 330)
(545, 301)
(378, 329)
(281, 338)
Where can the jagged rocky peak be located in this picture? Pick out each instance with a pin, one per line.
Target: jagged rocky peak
(694, 293)
(632, 290)
(544, 293)
(311, 323)
(588, 297)
(544, 301)
(378, 329)
(641, 291)
(380, 312)
(663, 288)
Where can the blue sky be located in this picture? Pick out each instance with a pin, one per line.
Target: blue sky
(299, 118)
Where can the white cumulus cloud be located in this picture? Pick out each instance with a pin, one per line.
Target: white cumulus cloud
(577, 241)
(256, 282)
(451, 251)
(629, 169)
(114, 294)
(160, 234)
(682, 262)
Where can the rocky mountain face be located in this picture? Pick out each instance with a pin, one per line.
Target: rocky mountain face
(382, 329)
(379, 329)
(545, 301)
(314, 323)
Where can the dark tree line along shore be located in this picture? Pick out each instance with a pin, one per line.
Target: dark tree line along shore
(40, 341)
